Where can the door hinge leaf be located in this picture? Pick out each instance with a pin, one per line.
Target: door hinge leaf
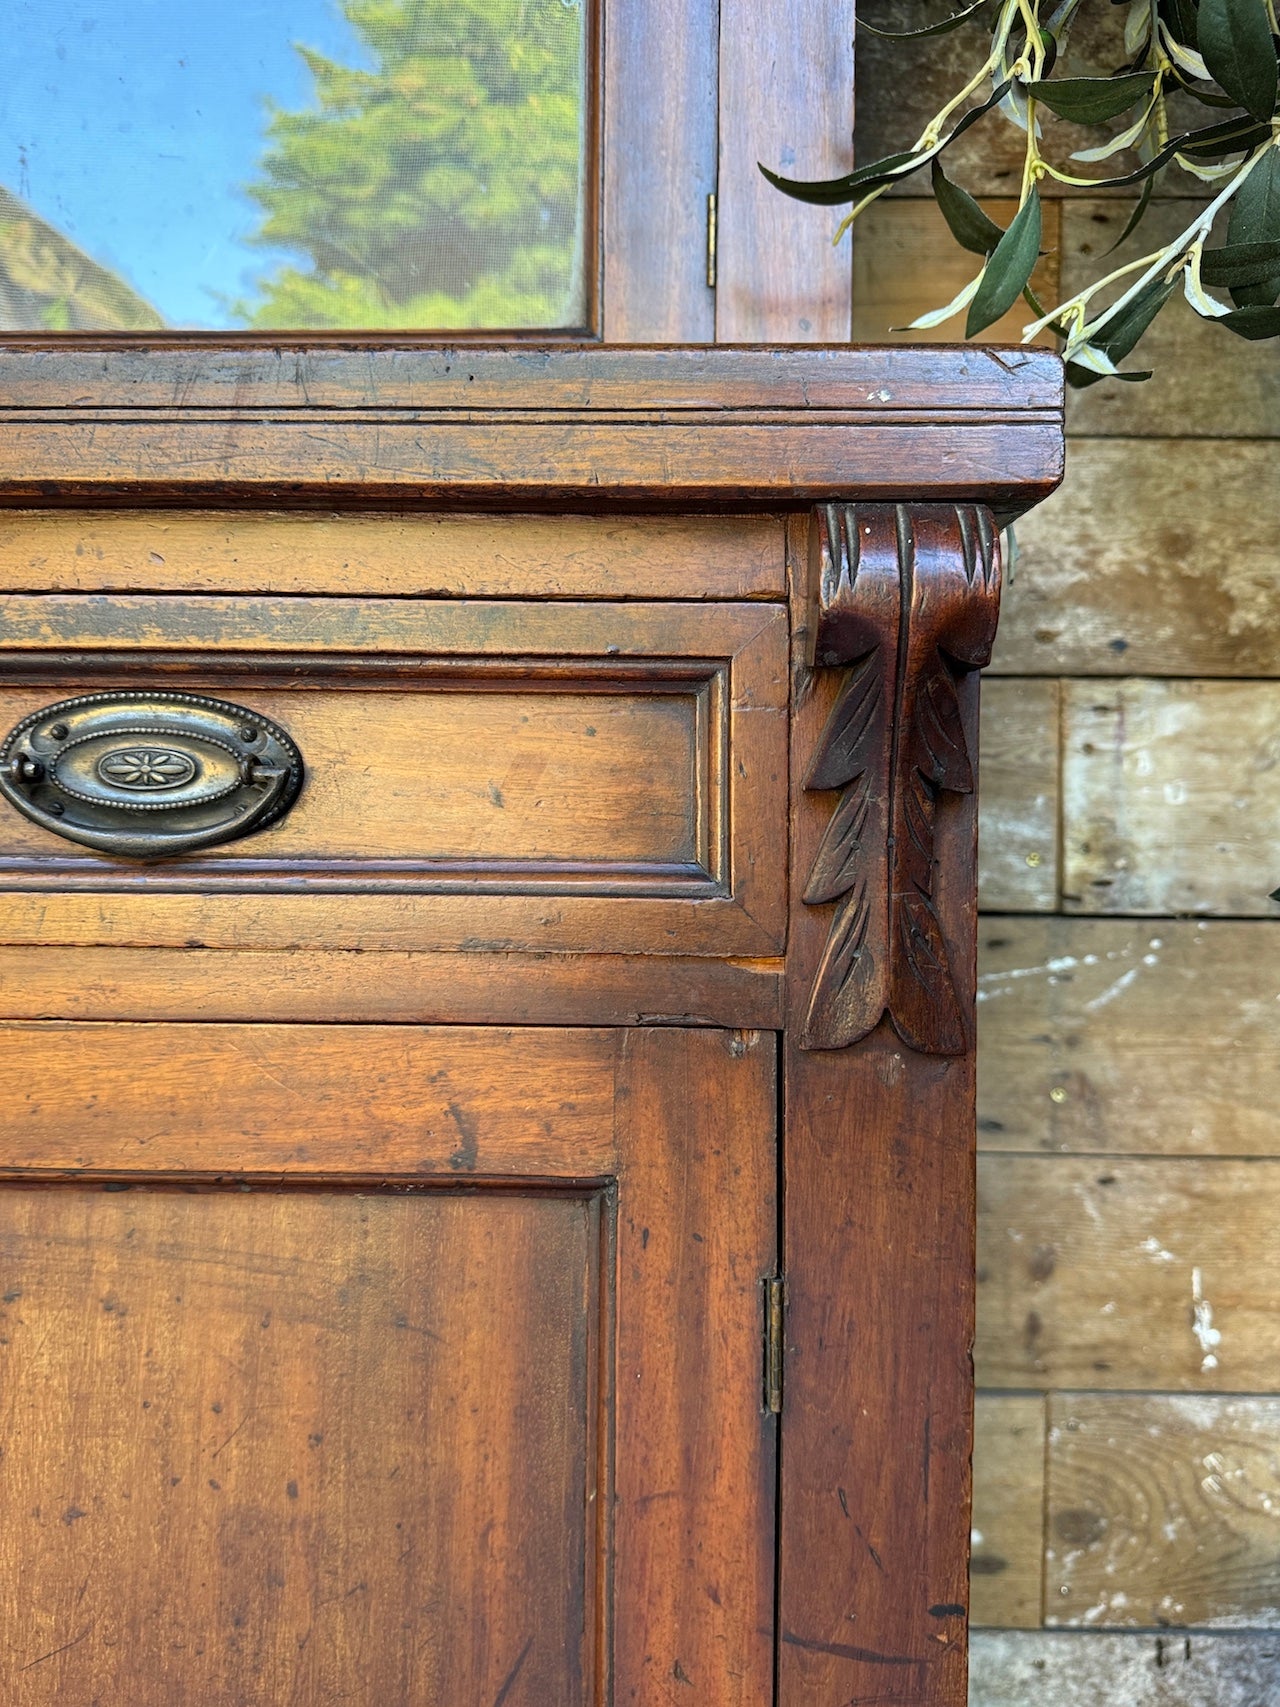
(774, 1341)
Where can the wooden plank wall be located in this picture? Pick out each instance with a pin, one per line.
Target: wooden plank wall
(1127, 1522)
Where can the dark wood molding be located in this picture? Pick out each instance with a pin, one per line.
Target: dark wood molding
(908, 599)
(522, 427)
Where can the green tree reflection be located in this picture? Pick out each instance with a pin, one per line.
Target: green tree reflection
(440, 189)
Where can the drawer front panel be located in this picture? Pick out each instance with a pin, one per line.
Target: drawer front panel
(585, 776)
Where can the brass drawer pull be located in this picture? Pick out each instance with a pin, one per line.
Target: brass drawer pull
(145, 776)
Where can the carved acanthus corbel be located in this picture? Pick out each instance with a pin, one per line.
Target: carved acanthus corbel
(908, 600)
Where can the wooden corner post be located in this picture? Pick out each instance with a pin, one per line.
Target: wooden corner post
(896, 608)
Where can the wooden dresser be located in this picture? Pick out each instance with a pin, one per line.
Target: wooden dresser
(486, 968)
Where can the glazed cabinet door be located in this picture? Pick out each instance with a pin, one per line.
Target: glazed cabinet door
(387, 1365)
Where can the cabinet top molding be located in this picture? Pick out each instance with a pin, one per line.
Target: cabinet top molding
(526, 426)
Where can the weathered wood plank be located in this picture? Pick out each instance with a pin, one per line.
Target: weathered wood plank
(1108, 1036)
(1154, 557)
(1163, 1509)
(1018, 797)
(1018, 1668)
(1006, 1568)
(1207, 383)
(904, 263)
(1128, 1273)
(1170, 802)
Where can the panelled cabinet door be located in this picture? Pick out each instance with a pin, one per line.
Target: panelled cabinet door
(385, 1365)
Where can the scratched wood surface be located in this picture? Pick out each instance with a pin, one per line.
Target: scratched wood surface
(1019, 805)
(1142, 1273)
(1155, 557)
(1168, 800)
(1162, 1509)
(1122, 1036)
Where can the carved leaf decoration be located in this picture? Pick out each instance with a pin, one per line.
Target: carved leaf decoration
(848, 742)
(851, 989)
(886, 948)
(843, 850)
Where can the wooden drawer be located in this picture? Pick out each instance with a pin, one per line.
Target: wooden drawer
(493, 774)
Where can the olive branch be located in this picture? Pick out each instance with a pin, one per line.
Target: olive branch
(1221, 53)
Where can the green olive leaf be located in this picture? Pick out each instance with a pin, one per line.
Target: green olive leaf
(1234, 37)
(1255, 218)
(1253, 323)
(1010, 267)
(969, 225)
(1240, 263)
(1092, 100)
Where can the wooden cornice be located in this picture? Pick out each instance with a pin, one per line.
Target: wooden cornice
(525, 426)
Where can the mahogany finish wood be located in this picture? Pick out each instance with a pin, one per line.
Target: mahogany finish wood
(633, 779)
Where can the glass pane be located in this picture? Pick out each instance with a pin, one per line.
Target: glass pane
(259, 164)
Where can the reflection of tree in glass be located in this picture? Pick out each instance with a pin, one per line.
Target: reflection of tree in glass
(47, 284)
(442, 188)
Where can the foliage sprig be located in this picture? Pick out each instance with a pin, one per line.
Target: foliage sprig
(1220, 53)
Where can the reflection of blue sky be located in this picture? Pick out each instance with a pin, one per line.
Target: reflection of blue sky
(133, 126)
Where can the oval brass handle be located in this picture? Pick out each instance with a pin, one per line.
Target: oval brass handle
(145, 776)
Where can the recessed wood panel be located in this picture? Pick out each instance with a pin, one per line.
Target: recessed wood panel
(295, 1447)
(606, 781)
(509, 775)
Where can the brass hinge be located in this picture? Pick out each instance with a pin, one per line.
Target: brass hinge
(711, 240)
(774, 1341)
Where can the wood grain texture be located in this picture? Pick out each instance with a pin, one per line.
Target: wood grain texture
(878, 1216)
(403, 556)
(786, 99)
(1006, 1569)
(299, 1101)
(1168, 800)
(907, 599)
(905, 264)
(696, 1472)
(1206, 384)
(453, 789)
(1114, 1037)
(1128, 1273)
(1096, 1670)
(523, 427)
(1019, 797)
(1163, 1509)
(659, 165)
(1155, 557)
(250, 1437)
(336, 985)
(593, 785)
